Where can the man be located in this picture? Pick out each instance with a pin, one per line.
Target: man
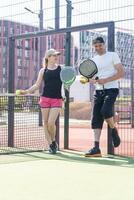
(110, 70)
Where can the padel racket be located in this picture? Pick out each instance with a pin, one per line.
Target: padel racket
(88, 68)
(68, 76)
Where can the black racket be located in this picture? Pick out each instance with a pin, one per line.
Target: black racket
(88, 68)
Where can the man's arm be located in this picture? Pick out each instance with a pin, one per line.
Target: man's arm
(120, 74)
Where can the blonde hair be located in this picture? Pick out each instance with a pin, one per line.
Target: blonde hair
(45, 62)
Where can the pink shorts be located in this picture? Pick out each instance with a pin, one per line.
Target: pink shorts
(46, 102)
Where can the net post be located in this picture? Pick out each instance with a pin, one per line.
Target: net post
(11, 87)
(40, 117)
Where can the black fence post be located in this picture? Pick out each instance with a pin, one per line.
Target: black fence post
(111, 47)
(57, 26)
(67, 63)
(58, 130)
(57, 14)
(41, 53)
(11, 86)
(132, 98)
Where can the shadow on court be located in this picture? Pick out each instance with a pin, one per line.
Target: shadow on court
(68, 156)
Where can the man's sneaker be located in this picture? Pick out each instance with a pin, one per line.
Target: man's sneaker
(52, 149)
(55, 145)
(115, 137)
(94, 152)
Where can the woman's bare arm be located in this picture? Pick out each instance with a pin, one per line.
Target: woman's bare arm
(37, 84)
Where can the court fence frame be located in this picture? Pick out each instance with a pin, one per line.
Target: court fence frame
(11, 84)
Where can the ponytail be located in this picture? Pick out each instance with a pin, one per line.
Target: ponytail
(45, 62)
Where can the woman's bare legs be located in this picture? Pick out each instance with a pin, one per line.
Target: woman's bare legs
(45, 116)
(53, 114)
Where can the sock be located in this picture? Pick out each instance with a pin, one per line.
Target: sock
(97, 134)
(96, 144)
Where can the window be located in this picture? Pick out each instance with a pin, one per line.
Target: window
(11, 30)
(27, 53)
(4, 71)
(5, 41)
(4, 60)
(4, 49)
(26, 43)
(18, 30)
(27, 63)
(19, 52)
(4, 29)
(19, 72)
(4, 80)
(19, 62)
(19, 43)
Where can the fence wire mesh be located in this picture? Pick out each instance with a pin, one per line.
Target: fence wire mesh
(27, 64)
(27, 134)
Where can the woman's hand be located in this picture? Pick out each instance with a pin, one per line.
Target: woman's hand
(23, 92)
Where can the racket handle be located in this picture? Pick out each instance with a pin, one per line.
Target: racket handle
(96, 78)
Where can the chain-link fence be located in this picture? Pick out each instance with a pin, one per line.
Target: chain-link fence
(29, 53)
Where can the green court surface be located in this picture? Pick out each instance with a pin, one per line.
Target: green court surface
(65, 176)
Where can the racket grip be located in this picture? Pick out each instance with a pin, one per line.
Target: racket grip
(96, 78)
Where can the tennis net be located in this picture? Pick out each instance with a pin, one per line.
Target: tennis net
(20, 124)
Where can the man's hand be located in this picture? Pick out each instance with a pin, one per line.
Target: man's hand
(102, 81)
(93, 81)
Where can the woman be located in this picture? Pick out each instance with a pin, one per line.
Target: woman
(51, 99)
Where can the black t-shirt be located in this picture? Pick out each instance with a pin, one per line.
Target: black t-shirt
(52, 83)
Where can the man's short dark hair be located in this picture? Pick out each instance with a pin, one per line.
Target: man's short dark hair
(98, 40)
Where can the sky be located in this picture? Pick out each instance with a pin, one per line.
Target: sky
(84, 12)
